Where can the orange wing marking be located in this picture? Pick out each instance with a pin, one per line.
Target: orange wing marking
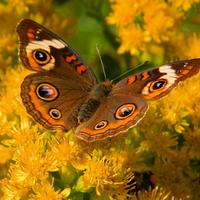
(145, 76)
(71, 58)
(31, 34)
(81, 69)
(186, 70)
(131, 80)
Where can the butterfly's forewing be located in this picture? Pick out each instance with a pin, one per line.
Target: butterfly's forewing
(43, 51)
(157, 82)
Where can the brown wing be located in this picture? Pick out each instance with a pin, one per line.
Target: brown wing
(53, 104)
(158, 82)
(116, 113)
(43, 51)
(127, 102)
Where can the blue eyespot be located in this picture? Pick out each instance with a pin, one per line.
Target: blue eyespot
(101, 125)
(158, 84)
(47, 92)
(55, 113)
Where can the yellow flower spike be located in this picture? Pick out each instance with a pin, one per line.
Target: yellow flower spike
(159, 143)
(156, 194)
(191, 99)
(173, 112)
(192, 142)
(31, 164)
(135, 43)
(4, 125)
(185, 5)
(97, 174)
(63, 151)
(5, 154)
(10, 101)
(171, 173)
(82, 187)
(155, 22)
(46, 191)
(152, 116)
(26, 133)
(13, 190)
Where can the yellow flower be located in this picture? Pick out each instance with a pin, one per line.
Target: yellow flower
(184, 4)
(12, 190)
(158, 142)
(5, 154)
(171, 173)
(59, 149)
(145, 24)
(41, 164)
(192, 142)
(174, 114)
(45, 191)
(157, 21)
(31, 163)
(133, 43)
(97, 173)
(156, 194)
(104, 174)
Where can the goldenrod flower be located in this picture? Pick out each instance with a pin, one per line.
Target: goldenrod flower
(156, 23)
(40, 164)
(185, 5)
(158, 143)
(45, 191)
(192, 142)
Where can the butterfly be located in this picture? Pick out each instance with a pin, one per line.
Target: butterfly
(64, 92)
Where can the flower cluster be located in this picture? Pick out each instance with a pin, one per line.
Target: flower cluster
(165, 29)
(163, 148)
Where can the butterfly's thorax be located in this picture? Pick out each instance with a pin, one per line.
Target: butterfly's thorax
(91, 104)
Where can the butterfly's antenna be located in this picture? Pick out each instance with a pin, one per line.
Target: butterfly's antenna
(103, 68)
(130, 70)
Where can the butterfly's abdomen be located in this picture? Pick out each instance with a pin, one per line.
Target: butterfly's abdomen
(91, 104)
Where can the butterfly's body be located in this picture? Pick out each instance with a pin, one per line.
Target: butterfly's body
(65, 94)
(89, 107)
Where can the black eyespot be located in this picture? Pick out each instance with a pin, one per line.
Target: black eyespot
(44, 91)
(55, 113)
(47, 92)
(101, 125)
(124, 111)
(158, 85)
(42, 57)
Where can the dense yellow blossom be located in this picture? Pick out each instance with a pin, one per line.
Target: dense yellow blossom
(144, 24)
(40, 164)
(45, 191)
